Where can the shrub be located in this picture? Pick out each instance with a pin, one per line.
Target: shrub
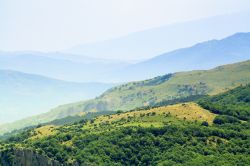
(204, 123)
(222, 119)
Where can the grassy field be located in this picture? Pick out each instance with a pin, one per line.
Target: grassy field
(156, 117)
(44, 131)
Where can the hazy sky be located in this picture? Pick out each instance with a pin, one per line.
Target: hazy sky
(49, 25)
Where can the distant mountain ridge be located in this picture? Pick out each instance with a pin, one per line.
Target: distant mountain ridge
(77, 68)
(149, 43)
(58, 65)
(205, 55)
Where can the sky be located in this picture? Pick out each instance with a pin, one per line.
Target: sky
(51, 25)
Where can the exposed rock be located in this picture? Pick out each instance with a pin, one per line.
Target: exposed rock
(24, 157)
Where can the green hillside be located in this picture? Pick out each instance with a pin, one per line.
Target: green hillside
(181, 134)
(150, 92)
(168, 87)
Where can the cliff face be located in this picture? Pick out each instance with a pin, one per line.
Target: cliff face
(23, 157)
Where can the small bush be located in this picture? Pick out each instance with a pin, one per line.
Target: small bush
(204, 123)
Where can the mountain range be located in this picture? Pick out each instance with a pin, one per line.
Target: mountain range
(164, 88)
(204, 55)
(19, 89)
(172, 95)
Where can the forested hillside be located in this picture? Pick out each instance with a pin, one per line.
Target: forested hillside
(234, 103)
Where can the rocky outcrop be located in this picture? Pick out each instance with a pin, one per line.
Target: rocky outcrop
(24, 157)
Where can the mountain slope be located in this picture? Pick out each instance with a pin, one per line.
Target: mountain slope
(24, 94)
(149, 92)
(156, 41)
(205, 55)
(167, 87)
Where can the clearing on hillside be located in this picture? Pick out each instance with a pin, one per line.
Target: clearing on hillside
(184, 111)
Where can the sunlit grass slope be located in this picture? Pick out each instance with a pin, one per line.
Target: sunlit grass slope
(184, 111)
(156, 117)
(43, 131)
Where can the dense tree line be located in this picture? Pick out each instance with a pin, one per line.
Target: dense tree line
(187, 144)
(234, 103)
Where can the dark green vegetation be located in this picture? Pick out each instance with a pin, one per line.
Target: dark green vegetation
(222, 119)
(187, 144)
(234, 103)
(140, 140)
